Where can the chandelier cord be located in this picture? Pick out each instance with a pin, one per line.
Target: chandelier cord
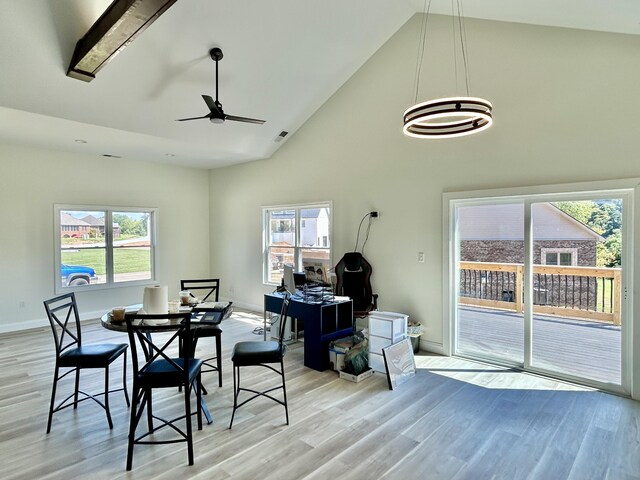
(463, 35)
(423, 39)
(453, 46)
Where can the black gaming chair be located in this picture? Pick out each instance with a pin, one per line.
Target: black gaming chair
(353, 279)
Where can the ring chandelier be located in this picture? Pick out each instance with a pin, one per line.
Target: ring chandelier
(448, 117)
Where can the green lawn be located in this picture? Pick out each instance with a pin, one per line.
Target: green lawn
(126, 260)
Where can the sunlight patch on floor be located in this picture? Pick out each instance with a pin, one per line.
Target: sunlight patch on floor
(489, 376)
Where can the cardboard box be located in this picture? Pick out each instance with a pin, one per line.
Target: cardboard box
(336, 359)
(356, 378)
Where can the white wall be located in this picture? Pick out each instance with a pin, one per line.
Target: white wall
(565, 104)
(33, 180)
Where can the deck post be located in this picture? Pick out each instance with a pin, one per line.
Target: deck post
(617, 296)
(519, 288)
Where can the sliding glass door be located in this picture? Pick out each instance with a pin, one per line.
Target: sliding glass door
(491, 255)
(538, 283)
(577, 286)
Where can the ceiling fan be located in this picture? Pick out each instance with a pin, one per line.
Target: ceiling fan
(216, 114)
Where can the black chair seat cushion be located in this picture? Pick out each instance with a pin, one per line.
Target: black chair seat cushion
(207, 330)
(92, 356)
(162, 374)
(254, 353)
(362, 313)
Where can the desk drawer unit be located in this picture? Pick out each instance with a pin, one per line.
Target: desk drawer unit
(385, 328)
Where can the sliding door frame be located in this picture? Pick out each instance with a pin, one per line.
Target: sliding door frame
(628, 190)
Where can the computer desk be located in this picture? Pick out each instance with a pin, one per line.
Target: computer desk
(323, 322)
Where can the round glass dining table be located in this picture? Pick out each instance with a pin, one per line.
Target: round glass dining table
(206, 313)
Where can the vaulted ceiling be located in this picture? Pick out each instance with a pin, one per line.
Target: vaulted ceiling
(282, 60)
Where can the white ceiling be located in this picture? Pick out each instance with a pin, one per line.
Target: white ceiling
(282, 60)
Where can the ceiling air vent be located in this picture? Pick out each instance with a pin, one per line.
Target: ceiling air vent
(282, 134)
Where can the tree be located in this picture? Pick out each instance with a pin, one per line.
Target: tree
(609, 252)
(124, 222)
(581, 211)
(605, 218)
(129, 226)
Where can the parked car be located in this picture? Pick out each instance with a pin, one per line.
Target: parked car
(74, 275)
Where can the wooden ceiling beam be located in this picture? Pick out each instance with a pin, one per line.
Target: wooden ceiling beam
(116, 28)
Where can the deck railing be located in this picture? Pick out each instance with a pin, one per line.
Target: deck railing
(582, 292)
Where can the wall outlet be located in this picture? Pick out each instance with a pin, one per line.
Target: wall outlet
(421, 257)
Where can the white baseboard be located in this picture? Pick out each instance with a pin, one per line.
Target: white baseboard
(42, 322)
(432, 347)
(26, 325)
(245, 306)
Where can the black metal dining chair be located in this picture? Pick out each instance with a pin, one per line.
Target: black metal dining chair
(262, 354)
(163, 365)
(72, 354)
(210, 289)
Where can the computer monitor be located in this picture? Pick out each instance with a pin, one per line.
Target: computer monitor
(300, 279)
(287, 278)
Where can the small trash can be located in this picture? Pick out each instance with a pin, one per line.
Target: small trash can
(415, 342)
(414, 331)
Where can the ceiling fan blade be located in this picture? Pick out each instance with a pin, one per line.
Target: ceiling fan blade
(192, 118)
(216, 114)
(244, 119)
(211, 104)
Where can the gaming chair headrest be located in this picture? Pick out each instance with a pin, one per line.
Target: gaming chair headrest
(352, 261)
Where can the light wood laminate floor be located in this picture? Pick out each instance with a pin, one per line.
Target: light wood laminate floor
(455, 420)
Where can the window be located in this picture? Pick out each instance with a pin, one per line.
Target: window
(298, 235)
(97, 247)
(565, 257)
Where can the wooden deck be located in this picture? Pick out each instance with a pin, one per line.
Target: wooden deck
(581, 348)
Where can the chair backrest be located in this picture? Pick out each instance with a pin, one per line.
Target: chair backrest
(62, 312)
(210, 286)
(283, 318)
(157, 346)
(353, 279)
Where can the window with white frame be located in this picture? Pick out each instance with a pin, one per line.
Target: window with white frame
(559, 256)
(297, 235)
(98, 247)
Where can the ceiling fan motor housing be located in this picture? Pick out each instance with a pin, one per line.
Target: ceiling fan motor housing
(216, 54)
